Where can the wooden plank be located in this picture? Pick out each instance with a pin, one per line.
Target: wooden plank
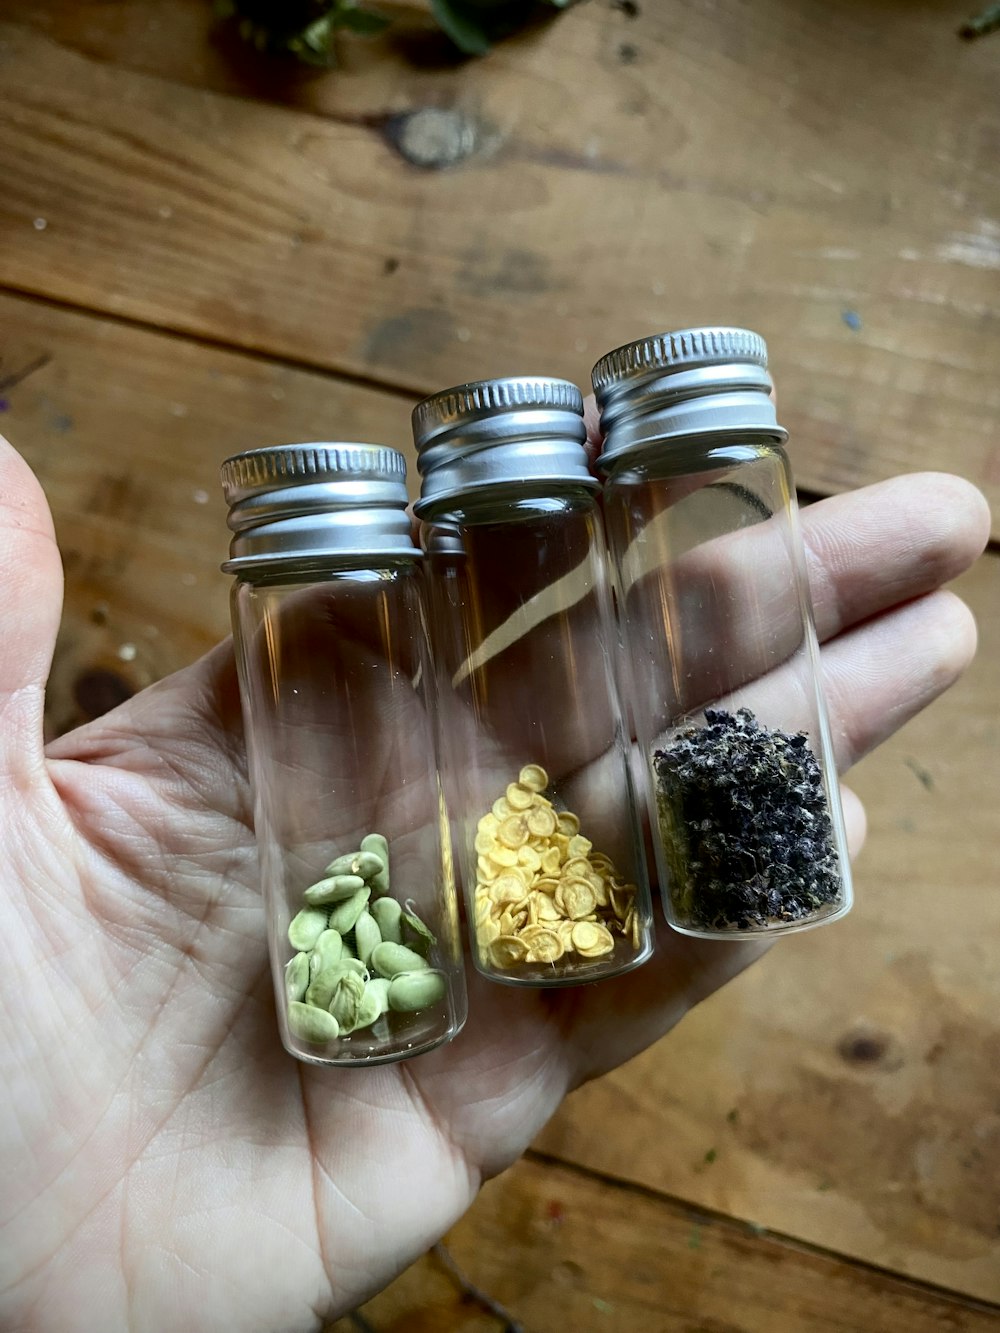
(126, 430)
(562, 1250)
(860, 1060)
(847, 1089)
(827, 173)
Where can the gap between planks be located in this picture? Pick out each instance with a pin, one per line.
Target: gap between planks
(737, 1226)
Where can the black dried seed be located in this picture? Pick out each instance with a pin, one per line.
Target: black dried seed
(745, 826)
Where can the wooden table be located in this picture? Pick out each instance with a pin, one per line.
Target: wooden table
(202, 251)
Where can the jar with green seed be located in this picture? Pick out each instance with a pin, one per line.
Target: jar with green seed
(333, 659)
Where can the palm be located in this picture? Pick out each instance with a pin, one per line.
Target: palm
(159, 1151)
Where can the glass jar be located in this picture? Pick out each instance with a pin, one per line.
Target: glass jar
(334, 666)
(534, 750)
(710, 575)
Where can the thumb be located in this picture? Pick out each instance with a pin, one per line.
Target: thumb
(30, 606)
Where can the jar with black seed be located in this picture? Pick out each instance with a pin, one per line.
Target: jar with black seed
(335, 673)
(725, 677)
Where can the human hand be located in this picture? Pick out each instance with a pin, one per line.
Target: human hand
(165, 1164)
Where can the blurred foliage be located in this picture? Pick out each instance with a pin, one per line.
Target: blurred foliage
(308, 29)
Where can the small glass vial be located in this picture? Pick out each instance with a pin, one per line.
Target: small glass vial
(535, 753)
(713, 595)
(334, 666)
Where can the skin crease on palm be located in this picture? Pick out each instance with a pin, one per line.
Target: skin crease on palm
(164, 1163)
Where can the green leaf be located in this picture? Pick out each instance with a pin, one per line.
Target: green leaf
(365, 22)
(318, 37)
(465, 29)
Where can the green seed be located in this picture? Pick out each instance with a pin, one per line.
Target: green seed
(313, 1025)
(375, 842)
(306, 928)
(379, 988)
(416, 935)
(333, 890)
(323, 985)
(345, 914)
(344, 865)
(378, 846)
(388, 959)
(368, 864)
(345, 1002)
(327, 950)
(297, 976)
(370, 1008)
(387, 912)
(366, 935)
(410, 991)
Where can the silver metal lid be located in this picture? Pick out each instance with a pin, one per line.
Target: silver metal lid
(708, 381)
(502, 433)
(305, 504)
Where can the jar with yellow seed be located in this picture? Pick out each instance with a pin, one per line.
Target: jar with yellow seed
(534, 749)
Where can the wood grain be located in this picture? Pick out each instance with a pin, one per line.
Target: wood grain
(848, 1085)
(126, 430)
(827, 173)
(562, 1250)
(846, 1089)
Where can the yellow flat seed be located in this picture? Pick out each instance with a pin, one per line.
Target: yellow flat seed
(502, 810)
(485, 868)
(506, 923)
(636, 931)
(534, 777)
(585, 935)
(503, 856)
(544, 946)
(507, 951)
(550, 861)
(513, 831)
(518, 798)
(578, 899)
(561, 842)
(529, 859)
(564, 929)
(577, 867)
(567, 823)
(488, 824)
(487, 933)
(620, 904)
(484, 843)
(506, 889)
(579, 845)
(547, 885)
(592, 940)
(484, 910)
(547, 910)
(600, 888)
(541, 822)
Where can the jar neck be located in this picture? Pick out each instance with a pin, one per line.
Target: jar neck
(674, 456)
(329, 569)
(714, 403)
(509, 499)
